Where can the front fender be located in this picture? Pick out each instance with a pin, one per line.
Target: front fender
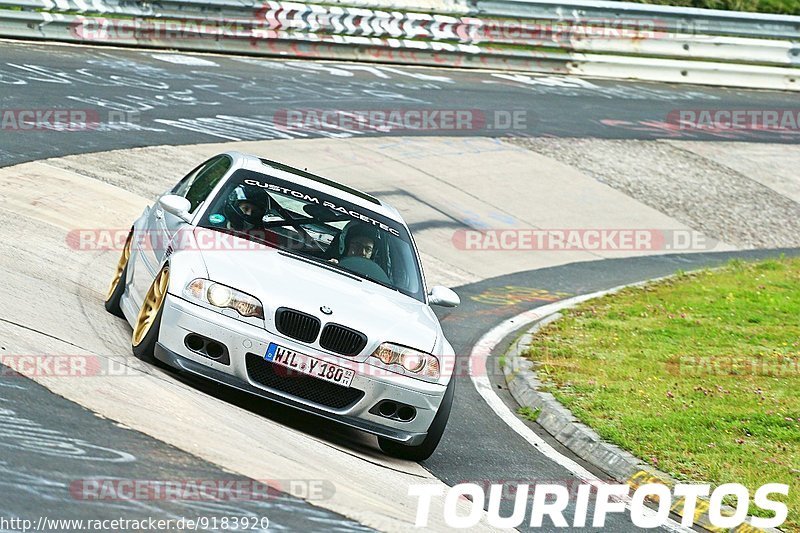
(184, 266)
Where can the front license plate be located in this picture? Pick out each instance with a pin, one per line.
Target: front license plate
(311, 366)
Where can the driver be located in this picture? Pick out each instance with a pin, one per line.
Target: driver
(245, 207)
(359, 241)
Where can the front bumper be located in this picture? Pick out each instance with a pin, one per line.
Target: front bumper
(180, 318)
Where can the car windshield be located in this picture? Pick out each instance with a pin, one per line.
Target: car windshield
(315, 225)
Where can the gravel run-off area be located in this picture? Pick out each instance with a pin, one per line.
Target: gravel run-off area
(744, 194)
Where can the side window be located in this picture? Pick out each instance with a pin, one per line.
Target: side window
(199, 186)
(186, 181)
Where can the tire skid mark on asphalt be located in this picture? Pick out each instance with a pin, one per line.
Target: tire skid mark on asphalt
(40, 332)
(367, 460)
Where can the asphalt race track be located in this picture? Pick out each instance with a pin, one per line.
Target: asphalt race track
(156, 98)
(142, 101)
(60, 458)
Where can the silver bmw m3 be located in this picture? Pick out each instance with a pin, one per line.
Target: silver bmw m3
(290, 286)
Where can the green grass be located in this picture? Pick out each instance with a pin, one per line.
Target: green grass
(530, 414)
(698, 375)
(785, 7)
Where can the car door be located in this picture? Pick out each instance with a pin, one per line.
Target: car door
(159, 227)
(197, 193)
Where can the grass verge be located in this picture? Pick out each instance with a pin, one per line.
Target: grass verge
(698, 375)
(530, 414)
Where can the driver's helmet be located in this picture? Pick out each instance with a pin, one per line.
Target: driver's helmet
(245, 207)
(360, 229)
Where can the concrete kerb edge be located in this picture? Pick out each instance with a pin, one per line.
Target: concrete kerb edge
(524, 385)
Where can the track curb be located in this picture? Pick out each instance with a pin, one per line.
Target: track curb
(524, 386)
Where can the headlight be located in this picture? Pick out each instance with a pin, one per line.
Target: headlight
(415, 362)
(219, 295)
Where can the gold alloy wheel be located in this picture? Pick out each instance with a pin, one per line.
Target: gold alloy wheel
(151, 306)
(123, 261)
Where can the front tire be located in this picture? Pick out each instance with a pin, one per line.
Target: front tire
(425, 449)
(117, 288)
(148, 322)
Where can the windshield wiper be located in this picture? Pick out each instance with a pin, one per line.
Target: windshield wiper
(382, 283)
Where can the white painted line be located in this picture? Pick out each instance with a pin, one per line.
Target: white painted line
(181, 59)
(483, 348)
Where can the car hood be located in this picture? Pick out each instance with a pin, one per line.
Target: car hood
(279, 279)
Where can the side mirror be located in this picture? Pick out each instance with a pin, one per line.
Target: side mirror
(176, 205)
(443, 296)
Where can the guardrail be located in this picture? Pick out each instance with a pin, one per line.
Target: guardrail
(667, 18)
(584, 37)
